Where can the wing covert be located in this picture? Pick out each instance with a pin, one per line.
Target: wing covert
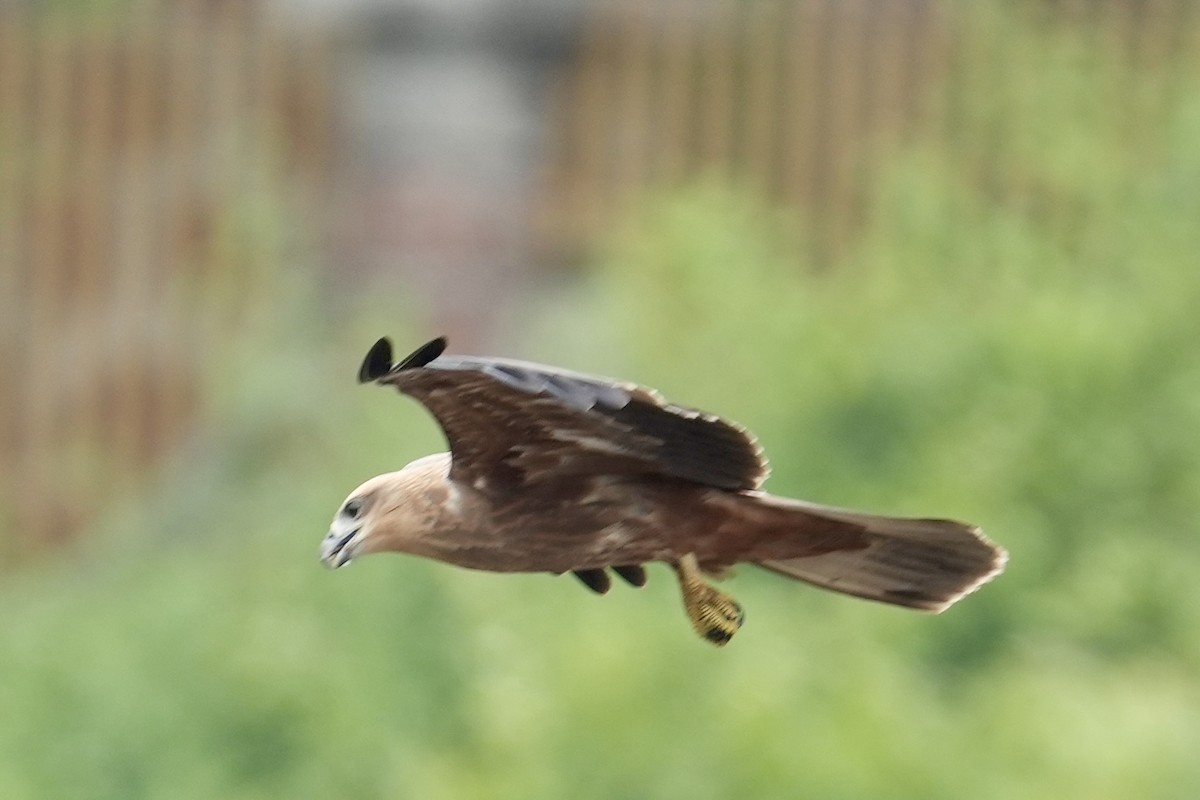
(511, 423)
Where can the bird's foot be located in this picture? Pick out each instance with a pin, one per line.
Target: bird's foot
(714, 615)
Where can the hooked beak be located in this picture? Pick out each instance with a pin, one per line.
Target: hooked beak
(337, 549)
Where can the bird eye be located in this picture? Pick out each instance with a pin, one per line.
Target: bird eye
(353, 508)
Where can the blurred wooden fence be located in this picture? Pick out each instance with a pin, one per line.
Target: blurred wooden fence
(141, 158)
(784, 96)
(803, 100)
(138, 160)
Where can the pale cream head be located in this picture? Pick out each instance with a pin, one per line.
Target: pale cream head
(398, 511)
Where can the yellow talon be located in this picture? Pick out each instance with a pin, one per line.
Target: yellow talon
(714, 615)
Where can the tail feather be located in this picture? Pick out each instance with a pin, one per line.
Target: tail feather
(925, 564)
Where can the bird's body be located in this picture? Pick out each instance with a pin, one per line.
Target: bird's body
(552, 471)
(613, 521)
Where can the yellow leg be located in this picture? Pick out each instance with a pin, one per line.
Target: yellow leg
(714, 615)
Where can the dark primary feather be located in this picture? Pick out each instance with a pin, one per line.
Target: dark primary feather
(634, 575)
(598, 581)
(595, 579)
(511, 422)
(378, 361)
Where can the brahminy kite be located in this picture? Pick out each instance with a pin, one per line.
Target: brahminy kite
(556, 471)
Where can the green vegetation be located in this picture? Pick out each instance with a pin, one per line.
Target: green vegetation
(983, 353)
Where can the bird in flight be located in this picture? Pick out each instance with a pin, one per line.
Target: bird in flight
(556, 471)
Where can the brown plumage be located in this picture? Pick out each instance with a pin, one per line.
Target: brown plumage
(554, 471)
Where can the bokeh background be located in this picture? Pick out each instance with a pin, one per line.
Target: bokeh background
(942, 257)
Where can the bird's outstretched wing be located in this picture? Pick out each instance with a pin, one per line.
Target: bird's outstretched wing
(513, 424)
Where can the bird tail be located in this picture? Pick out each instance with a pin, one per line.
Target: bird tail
(926, 564)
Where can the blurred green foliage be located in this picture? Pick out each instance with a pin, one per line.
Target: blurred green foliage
(981, 353)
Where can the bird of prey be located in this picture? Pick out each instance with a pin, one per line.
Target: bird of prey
(556, 471)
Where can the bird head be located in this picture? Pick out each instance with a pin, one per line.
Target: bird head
(390, 512)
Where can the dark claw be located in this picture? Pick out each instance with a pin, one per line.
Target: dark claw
(633, 574)
(718, 636)
(595, 579)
